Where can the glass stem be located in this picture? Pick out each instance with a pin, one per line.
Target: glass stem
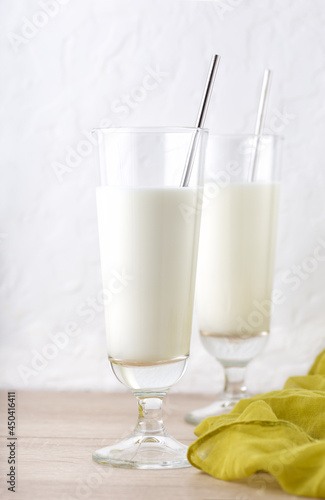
(150, 420)
(235, 382)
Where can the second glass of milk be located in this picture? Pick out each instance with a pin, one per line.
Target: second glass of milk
(148, 237)
(236, 257)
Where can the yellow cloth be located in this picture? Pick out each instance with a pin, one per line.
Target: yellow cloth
(280, 432)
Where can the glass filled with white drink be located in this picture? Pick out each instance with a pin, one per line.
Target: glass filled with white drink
(148, 248)
(236, 257)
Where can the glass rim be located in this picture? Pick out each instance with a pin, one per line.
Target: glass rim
(144, 129)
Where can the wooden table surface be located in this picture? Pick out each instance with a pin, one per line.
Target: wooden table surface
(58, 431)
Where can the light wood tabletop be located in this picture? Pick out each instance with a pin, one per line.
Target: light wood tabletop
(58, 431)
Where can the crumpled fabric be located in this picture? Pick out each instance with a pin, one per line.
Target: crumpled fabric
(279, 432)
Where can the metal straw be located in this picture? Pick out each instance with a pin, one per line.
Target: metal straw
(260, 121)
(200, 120)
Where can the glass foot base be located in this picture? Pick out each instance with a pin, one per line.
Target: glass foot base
(138, 451)
(217, 408)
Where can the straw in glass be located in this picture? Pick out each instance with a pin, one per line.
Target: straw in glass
(260, 122)
(200, 120)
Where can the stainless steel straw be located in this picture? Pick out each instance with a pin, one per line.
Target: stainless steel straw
(260, 121)
(200, 120)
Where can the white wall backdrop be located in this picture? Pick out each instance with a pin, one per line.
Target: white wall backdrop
(70, 65)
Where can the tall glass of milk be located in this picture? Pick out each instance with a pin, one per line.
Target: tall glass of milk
(148, 237)
(236, 257)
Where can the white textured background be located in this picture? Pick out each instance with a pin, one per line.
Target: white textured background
(64, 74)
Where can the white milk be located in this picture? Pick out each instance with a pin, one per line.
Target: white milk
(148, 253)
(236, 260)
